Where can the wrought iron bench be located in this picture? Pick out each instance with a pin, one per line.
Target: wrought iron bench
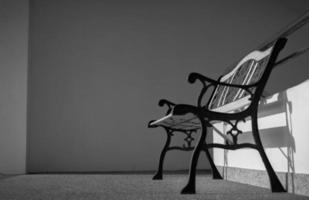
(235, 97)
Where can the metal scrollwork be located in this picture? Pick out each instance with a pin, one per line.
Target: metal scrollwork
(188, 139)
(234, 132)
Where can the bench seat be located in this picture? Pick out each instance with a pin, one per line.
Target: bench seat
(186, 122)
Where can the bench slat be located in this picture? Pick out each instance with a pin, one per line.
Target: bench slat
(248, 71)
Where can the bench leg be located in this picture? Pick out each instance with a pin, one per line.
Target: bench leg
(159, 174)
(215, 172)
(190, 187)
(275, 183)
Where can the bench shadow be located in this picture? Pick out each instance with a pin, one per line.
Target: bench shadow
(279, 136)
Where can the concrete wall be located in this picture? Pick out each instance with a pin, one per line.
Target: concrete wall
(13, 84)
(98, 68)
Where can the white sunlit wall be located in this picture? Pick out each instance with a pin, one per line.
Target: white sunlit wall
(284, 132)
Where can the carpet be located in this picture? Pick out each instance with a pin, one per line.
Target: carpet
(127, 187)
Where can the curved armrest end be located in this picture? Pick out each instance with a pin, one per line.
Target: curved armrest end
(163, 102)
(196, 76)
(193, 76)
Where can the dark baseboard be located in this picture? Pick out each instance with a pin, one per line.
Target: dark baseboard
(294, 183)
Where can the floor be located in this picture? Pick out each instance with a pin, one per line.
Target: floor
(127, 187)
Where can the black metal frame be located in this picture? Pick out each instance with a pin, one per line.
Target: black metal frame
(206, 116)
(187, 131)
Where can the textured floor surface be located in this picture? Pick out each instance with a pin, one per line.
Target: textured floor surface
(128, 187)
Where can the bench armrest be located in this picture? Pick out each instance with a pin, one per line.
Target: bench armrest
(208, 82)
(196, 76)
(168, 103)
(203, 79)
(162, 103)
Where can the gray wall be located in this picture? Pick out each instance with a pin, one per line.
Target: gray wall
(98, 69)
(13, 84)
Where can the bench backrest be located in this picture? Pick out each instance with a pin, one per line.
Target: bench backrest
(248, 71)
